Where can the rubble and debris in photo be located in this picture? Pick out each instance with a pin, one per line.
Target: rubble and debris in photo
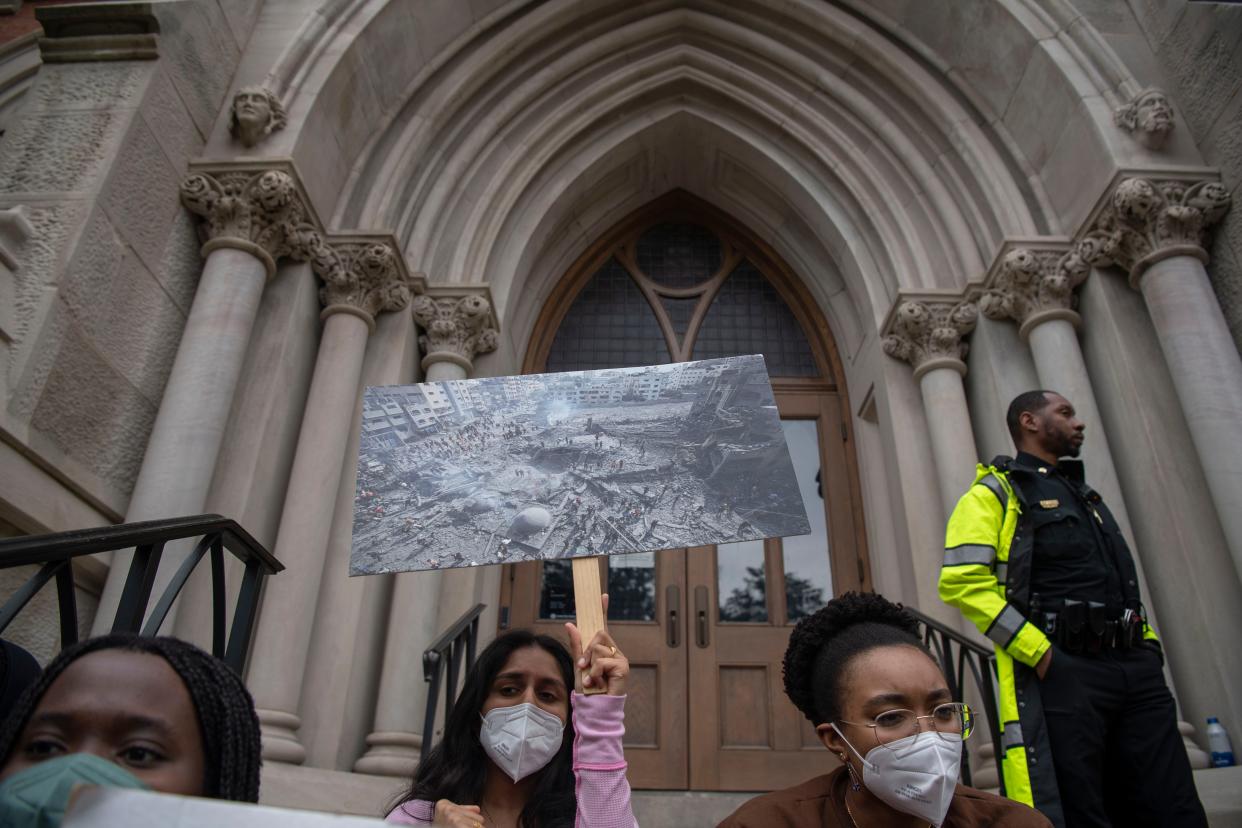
(549, 466)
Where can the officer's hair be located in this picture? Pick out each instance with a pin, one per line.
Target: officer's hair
(1032, 401)
(822, 646)
(225, 711)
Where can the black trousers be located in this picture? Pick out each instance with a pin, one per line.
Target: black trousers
(1119, 759)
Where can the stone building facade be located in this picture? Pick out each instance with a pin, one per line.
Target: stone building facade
(220, 219)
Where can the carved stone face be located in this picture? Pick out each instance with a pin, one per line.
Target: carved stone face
(1154, 115)
(252, 115)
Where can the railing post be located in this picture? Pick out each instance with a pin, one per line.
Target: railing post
(137, 590)
(67, 603)
(219, 610)
(244, 616)
(429, 720)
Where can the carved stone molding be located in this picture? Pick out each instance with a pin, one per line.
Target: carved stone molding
(1032, 282)
(458, 323)
(361, 275)
(1148, 117)
(929, 333)
(93, 32)
(1146, 220)
(261, 210)
(256, 114)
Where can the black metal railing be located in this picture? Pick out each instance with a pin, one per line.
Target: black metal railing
(54, 554)
(448, 657)
(961, 658)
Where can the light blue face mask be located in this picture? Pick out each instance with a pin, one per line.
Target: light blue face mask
(38, 796)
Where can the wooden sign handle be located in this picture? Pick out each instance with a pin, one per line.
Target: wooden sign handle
(589, 603)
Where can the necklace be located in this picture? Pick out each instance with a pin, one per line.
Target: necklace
(848, 812)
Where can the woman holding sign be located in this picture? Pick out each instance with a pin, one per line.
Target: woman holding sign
(512, 758)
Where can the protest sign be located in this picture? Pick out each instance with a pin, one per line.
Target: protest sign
(549, 466)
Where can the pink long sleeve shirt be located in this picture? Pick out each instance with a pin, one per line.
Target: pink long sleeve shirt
(600, 785)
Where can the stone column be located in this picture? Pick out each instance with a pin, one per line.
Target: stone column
(457, 329)
(1156, 230)
(1033, 284)
(361, 278)
(347, 641)
(250, 218)
(928, 333)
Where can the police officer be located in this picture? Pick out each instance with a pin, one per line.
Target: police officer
(1036, 561)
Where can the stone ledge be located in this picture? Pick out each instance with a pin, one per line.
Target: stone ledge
(1220, 790)
(98, 31)
(87, 19)
(99, 47)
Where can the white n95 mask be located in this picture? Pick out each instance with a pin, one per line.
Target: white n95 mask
(915, 775)
(521, 739)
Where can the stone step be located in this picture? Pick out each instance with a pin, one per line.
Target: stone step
(685, 809)
(314, 789)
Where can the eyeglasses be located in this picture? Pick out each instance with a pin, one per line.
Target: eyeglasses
(951, 721)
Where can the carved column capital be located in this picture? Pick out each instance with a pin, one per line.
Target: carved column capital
(1148, 116)
(929, 333)
(458, 322)
(261, 210)
(1146, 220)
(363, 276)
(1033, 283)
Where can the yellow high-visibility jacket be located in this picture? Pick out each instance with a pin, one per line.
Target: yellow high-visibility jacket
(986, 574)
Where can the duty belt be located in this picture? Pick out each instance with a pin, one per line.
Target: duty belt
(1090, 627)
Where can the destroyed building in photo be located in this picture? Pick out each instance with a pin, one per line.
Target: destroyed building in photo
(505, 469)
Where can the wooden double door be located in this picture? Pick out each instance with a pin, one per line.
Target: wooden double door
(706, 628)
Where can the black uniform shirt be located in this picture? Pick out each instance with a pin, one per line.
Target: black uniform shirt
(1069, 559)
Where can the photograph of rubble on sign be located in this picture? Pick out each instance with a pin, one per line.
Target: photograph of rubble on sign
(549, 466)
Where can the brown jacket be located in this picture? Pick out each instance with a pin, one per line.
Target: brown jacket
(820, 803)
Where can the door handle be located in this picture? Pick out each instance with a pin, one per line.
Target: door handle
(700, 616)
(672, 597)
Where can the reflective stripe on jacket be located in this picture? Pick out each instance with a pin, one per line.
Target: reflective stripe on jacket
(987, 575)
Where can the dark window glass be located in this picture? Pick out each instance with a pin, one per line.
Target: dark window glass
(679, 312)
(749, 317)
(556, 597)
(609, 325)
(631, 587)
(679, 255)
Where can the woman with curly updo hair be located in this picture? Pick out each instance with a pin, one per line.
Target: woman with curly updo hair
(859, 672)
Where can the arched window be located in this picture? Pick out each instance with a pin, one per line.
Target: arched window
(679, 291)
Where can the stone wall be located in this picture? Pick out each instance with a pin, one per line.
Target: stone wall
(103, 285)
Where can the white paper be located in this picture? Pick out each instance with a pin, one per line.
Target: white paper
(100, 807)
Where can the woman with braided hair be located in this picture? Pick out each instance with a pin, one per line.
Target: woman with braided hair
(859, 672)
(171, 717)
